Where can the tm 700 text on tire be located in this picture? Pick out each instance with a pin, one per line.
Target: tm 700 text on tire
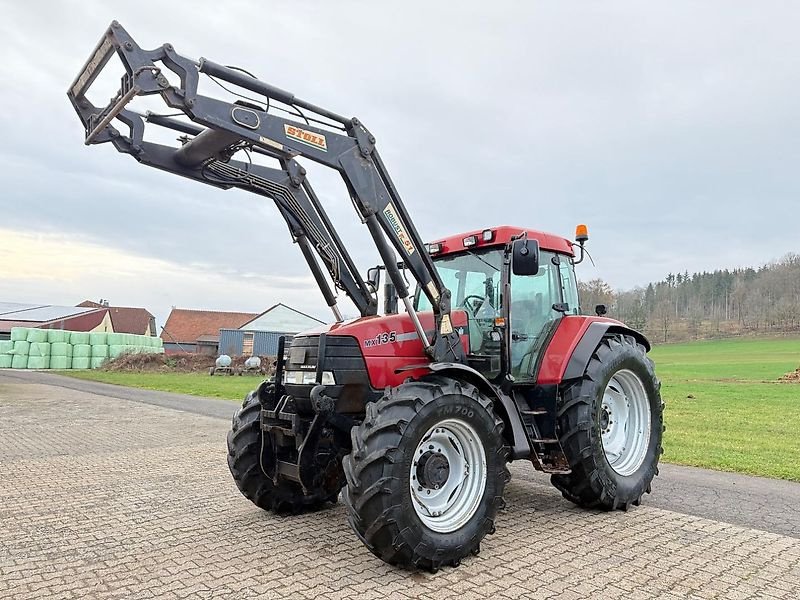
(611, 424)
(426, 475)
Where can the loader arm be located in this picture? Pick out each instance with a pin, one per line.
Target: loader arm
(221, 128)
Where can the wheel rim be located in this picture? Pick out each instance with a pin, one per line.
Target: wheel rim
(448, 475)
(625, 422)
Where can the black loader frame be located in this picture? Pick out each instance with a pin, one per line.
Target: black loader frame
(222, 128)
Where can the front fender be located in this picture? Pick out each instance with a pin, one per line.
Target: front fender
(506, 409)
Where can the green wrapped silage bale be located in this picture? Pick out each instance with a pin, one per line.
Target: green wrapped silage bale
(19, 361)
(81, 351)
(6, 361)
(60, 362)
(98, 338)
(159, 343)
(22, 347)
(114, 339)
(37, 335)
(116, 350)
(19, 334)
(57, 336)
(6, 346)
(39, 349)
(60, 349)
(100, 351)
(38, 362)
(96, 363)
(80, 362)
(78, 337)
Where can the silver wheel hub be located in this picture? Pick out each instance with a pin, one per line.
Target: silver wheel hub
(448, 475)
(625, 422)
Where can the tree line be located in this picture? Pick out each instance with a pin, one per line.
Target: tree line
(708, 304)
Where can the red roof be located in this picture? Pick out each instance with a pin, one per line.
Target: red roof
(502, 235)
(186, 326)
(125, 319)
(84, 322)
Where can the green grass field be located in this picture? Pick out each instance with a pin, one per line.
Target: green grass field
(724, 407)
(196, 384)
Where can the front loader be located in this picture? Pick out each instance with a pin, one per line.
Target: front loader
(412, 415)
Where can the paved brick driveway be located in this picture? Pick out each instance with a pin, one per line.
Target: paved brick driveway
(103, 497)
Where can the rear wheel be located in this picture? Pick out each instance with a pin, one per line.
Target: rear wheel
(426, 475)
(611, 424)
(246, 441)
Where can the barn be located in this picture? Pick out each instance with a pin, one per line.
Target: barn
(259, 336)
(188, 330)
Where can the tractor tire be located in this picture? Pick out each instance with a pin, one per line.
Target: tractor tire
(610, 427)
(244, 461)
(401, 499)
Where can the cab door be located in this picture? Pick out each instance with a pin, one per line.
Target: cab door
(532, 315)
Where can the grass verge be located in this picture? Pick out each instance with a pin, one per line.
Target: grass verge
(195, 384)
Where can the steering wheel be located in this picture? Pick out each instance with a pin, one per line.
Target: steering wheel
(473, 307)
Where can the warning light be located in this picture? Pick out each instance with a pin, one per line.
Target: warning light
(581, 233)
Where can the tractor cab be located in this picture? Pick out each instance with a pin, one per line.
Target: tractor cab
(510, 315)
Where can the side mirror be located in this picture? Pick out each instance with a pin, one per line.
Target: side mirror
(600, 310)
(374, 277)
(525, 257)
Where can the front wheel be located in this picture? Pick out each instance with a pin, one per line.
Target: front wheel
(611, 424)
(246, 445)
(426, 475)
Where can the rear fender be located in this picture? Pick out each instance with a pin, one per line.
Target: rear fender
(504, 406)
(582, 354)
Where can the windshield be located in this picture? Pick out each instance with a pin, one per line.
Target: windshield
(474, 280)
(471, 278)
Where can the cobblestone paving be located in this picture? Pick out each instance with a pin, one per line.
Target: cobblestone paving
(107, 498)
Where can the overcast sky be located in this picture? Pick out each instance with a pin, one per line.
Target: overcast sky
(670, 128)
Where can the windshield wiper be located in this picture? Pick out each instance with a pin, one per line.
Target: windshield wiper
(486, 262)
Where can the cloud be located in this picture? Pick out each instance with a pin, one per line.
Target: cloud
(65, 270)
(670, 129)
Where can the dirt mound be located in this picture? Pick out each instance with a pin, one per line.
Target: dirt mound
(184, 362)
(176, 363)
(792, 377)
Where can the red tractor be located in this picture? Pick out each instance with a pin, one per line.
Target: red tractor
(412, 415)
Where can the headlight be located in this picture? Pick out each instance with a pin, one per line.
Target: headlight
(308, 377)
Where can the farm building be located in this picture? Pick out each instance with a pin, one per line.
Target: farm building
(127, 319)
(198, 330)
(260, 335)
(48, 316)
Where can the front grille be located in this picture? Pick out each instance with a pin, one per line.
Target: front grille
(343, 358)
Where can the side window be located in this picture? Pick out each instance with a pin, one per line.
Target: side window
(570, 286)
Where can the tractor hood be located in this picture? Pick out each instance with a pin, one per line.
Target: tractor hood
(390, 335)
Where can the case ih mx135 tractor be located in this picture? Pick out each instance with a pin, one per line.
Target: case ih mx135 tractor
(413, 414)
